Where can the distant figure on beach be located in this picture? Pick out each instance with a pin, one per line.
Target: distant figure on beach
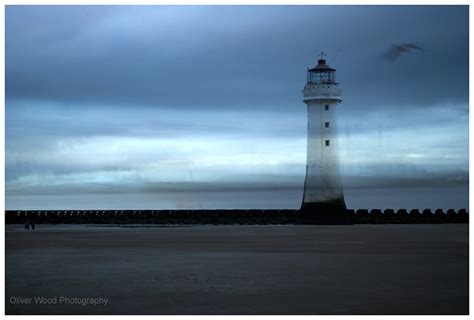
(28, 223)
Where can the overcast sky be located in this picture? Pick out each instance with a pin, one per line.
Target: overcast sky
(148, 99)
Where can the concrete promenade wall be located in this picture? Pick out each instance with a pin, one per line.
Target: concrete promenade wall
(359, 216)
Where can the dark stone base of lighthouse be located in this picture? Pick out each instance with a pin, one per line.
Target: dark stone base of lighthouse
(329, 212)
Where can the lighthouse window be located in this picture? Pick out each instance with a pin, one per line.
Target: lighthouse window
(321, 76)
(326, 107)
(326, 124)
(327, 143)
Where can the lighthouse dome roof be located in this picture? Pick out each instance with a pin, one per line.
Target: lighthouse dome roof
(322, 66)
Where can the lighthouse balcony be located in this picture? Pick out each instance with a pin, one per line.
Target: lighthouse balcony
(322, 91)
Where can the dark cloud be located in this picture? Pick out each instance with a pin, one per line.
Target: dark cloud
(229, 57)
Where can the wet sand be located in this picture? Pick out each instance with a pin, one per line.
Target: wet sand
(282, 269)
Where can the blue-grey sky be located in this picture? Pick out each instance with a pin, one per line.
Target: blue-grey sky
(129, 101)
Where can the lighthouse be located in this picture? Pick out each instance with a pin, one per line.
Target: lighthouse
(323, 198)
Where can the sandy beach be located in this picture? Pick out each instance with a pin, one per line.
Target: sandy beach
(281, 269)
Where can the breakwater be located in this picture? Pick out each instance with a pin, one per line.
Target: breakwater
(360, 216)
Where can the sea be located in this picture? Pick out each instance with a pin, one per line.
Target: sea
(455, 197)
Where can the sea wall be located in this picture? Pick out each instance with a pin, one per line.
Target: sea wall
(359, 216)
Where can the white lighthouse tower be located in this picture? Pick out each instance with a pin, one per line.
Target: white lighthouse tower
(323, 199)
